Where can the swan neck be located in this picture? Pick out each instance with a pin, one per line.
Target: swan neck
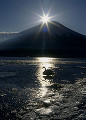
(45, 68)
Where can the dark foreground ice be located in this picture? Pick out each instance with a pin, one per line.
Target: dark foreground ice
(25, 94)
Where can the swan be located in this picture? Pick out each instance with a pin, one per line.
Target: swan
(48, 72)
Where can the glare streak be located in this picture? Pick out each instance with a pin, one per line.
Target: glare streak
(53, 23)
(45, 19)
(40, 29)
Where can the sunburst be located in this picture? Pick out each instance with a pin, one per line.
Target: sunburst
(45, 19)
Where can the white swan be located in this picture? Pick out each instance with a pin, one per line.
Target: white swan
(48, 72)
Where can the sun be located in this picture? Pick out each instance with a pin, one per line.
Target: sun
(45, 19)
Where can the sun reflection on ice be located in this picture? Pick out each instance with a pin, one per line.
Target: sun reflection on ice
(43, 89)
(46, 92)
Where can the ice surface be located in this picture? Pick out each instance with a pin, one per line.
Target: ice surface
(25, 94)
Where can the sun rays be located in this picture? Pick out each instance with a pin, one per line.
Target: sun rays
(45, 19)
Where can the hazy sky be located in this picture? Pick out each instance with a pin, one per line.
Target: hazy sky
(18, 15)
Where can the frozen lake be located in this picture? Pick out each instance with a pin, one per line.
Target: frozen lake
(25, 94)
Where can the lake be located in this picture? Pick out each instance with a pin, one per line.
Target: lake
(27, 94)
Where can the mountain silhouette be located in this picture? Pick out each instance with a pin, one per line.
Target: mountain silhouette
(56, 40)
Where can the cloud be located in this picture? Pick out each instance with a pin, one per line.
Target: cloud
(8, 32)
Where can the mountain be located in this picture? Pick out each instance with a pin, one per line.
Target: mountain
(60, 41)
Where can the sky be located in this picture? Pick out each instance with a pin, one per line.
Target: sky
(19, 15)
